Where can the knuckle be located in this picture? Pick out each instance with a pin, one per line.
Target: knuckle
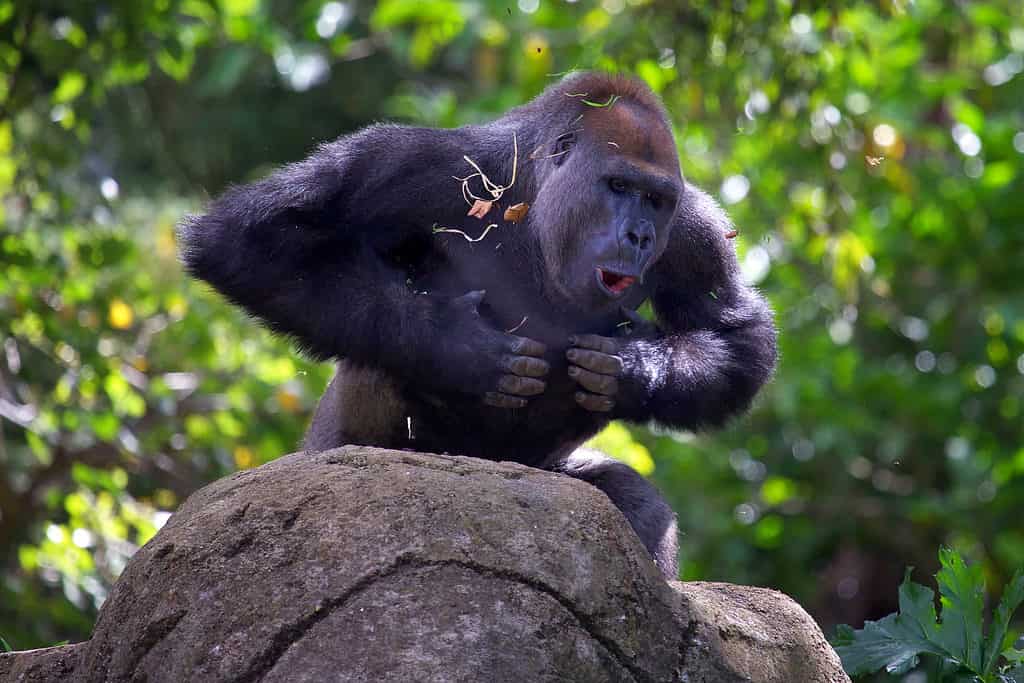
(513, 364)
(509, 384)
(585, 359)
(527, 366)
(581, 340)
(611, 365)
(594, 402)
(499, 400)
(527, 347)
(534, 387)
(521, 386)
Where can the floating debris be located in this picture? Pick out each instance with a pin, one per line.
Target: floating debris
(495, 190)
(519, 326)
(516, 212)
(437, 230)
(546, 156)
(601, 105)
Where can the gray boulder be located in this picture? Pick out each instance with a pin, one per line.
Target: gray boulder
(362, 564)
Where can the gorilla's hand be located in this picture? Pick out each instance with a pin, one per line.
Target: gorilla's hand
(595, 364)
(502, 368)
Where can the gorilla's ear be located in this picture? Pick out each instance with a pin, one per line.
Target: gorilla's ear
(562, 146)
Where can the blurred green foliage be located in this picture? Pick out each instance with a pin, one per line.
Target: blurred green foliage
(872, 155)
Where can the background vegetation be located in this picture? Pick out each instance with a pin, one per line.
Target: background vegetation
(872, 155)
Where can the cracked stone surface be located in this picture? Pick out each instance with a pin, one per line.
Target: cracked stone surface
(362, 564)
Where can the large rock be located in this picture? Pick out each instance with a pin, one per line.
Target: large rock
(362, 564)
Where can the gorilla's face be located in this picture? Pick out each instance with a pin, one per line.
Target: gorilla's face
(603, 214)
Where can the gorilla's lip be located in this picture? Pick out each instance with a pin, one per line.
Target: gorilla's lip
(613, 282)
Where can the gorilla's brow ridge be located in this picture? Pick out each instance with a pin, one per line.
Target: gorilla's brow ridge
(646, 175)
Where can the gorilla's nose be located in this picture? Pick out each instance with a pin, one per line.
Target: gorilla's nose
(640, 238)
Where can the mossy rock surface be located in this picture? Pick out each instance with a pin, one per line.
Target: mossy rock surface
(362, 564)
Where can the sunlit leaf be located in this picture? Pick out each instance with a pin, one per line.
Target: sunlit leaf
(71, 85)
(120, 315)
(998, 174)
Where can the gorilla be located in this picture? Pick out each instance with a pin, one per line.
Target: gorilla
(479, 286)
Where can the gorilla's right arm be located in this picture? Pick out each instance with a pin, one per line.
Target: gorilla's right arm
(309, 250)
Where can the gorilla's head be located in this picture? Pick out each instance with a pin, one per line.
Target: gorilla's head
(606, 198)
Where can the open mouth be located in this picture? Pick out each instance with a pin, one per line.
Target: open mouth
(614, 283)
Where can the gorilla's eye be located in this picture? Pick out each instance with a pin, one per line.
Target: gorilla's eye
(655, 200)
(618, 185)
(562, 147)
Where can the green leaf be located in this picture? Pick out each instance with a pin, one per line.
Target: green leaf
(962, 589)
(239, 8)
(893, 642)
(917, 608)
(970, 114)
(1013, 596)
(176, 63)
(998, 174)
(392, 13)
(71, 85)
(5, 646)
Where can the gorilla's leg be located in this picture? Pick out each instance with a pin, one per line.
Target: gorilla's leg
(361, 405)
(647, 512)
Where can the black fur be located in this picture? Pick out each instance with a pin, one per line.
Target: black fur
(350, 253)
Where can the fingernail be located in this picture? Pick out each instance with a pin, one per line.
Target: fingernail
(571, 355)
(573, 339)
(573, 371)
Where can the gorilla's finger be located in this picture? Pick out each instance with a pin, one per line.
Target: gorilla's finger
(594, 342)
(594, 382)
(520, 386)
(594, 402)
(595, 362)
(526, 366)
(523, 346)
(470, 299)
(499, 400)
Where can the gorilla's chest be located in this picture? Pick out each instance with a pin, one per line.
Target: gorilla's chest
(517, 297)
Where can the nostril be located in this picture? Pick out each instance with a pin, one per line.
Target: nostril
(633, 238)
(645, 242)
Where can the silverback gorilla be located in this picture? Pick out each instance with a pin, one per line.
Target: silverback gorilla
(501, 334)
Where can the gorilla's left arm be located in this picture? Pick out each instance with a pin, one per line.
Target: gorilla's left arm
(712, 349)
